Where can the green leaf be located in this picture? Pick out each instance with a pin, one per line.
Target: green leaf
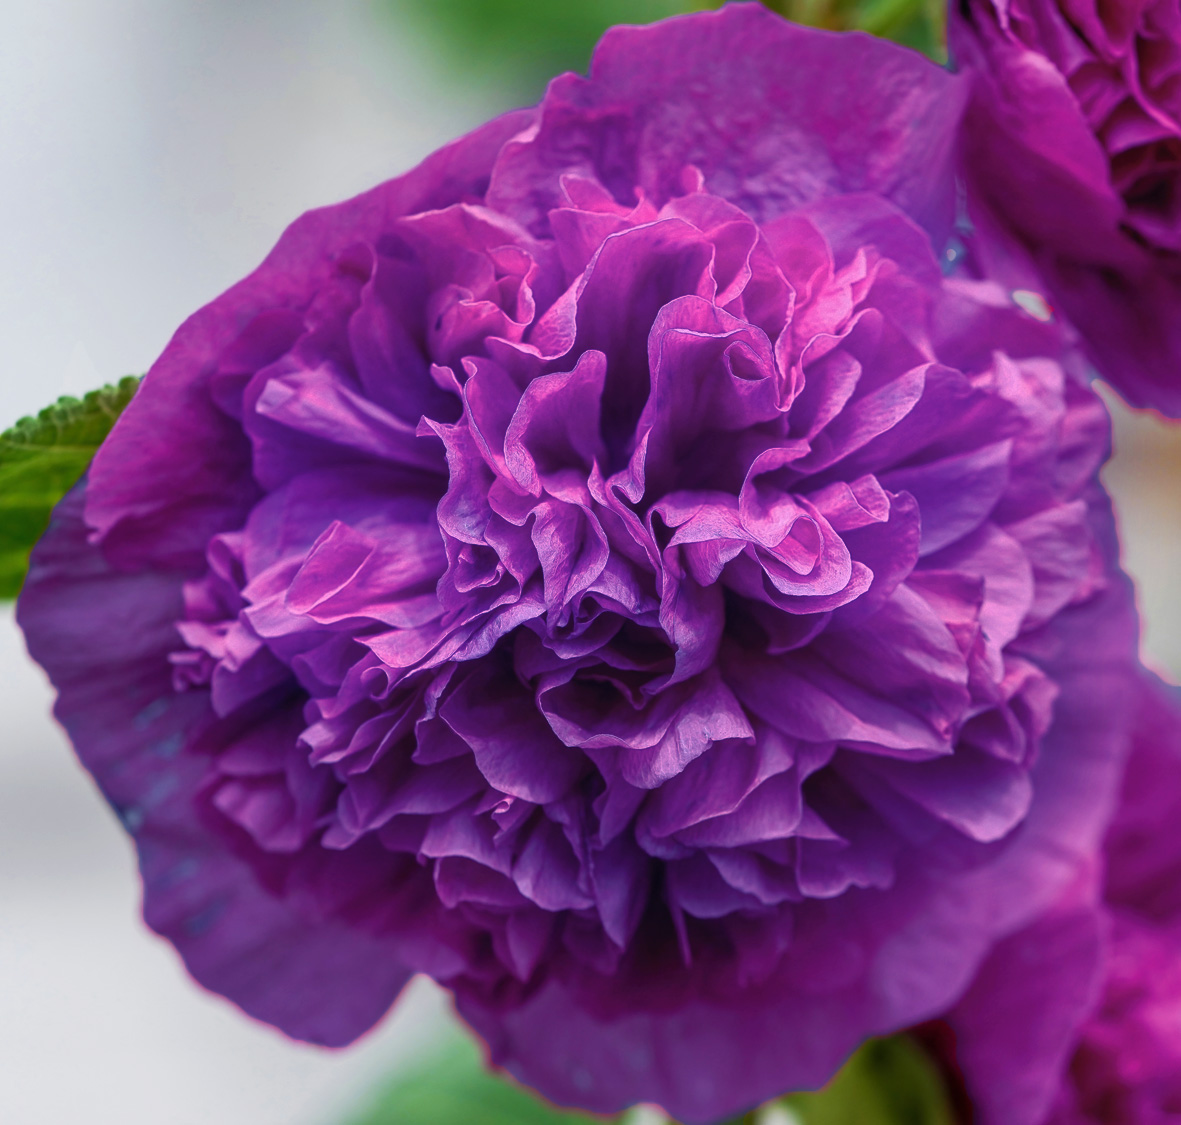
(40, 459)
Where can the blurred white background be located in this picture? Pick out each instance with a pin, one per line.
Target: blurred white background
(151, 151)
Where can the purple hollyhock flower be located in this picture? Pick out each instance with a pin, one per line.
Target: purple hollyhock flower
(1073, 147)
(612, 570)
(1076, 1020)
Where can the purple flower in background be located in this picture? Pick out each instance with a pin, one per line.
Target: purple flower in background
(1073, 146)
(1077, 1019)
(1127, 1064)
(612, 570)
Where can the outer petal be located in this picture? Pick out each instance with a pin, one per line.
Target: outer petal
(176, 468)
(1016, 1025)
(318, 980)
(669, 95)
(689, 1061)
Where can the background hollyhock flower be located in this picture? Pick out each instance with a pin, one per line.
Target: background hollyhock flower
(1073, 145)
(1077, 1019)
(612, 570)
(1127, 1066)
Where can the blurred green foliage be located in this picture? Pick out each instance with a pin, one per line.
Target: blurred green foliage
(40, 458)
(886, 1082)
(920, 24)
(520, 44)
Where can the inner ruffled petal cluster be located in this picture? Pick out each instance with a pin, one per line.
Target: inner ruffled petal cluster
(646, 579)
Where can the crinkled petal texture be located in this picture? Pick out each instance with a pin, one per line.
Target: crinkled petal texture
(613, 571)
(1072, 146)
(1076, 1020)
